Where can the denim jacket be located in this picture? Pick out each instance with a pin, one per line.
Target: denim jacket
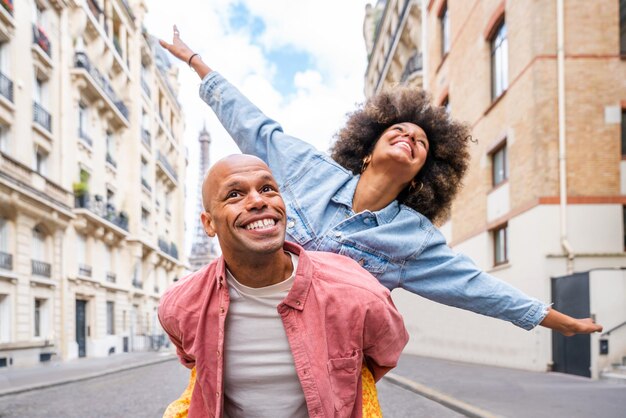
(397, 244)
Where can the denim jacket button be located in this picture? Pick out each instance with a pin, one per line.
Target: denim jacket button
(337, 234)
(290, 224)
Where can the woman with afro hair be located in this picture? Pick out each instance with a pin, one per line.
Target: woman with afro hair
(392, 174)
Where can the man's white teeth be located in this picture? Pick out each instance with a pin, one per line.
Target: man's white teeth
(261, 224)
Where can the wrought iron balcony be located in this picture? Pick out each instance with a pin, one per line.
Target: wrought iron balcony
(84, 137)
(8, 6)
(82, 61)
(42, 117)
(110, 160)
(144, 86)
(104, 210)
(41, 268)
(6, 87)
(6, 261)
(111, 277)
(40, 38)
(413, 65)
(146, 137)
(167, 165)
(169, 249)
(84, 270)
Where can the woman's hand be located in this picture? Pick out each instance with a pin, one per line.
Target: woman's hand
(178, 48)
(181, 51)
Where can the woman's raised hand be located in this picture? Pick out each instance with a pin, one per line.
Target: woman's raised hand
(177, 48)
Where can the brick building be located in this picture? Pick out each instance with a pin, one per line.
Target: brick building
(543, 203)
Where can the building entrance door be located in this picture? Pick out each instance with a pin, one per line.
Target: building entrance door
(81, 327)
(570, 295)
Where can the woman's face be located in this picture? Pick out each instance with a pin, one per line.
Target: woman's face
(402, 148)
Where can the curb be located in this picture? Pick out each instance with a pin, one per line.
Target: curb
(439, 397)
(59, 382)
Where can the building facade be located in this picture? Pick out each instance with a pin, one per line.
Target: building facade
(91, 173)
(542, 85)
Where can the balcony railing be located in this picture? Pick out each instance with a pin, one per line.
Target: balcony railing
(111, 277)
(145, 87)
(42, 117)
(413, 65)
(84, 270)
(40, 38)
(82, 61)
(110, 160)
(8, 6)
(145, 184)
(84, 137)
(104, 210)
(169, 249)
(6, 87)
(146, 137)
(41, 268)
(6, 261)
(167, 165)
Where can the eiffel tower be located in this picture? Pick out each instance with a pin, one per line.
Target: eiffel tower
(204, 248)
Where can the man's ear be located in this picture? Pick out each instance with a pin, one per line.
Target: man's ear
(207, 223)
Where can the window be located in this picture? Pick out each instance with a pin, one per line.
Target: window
(4, 138)
(81, 249)
(622, 27)
(446, 104)
(624, 224)
(40, 318)
(499, 61)
(144, 169)
(5, 316)
(4, 235)
(39, 244)
(445, 31)
(623, 132)
(500, 250)
(82, 120)
(41, 161)
(110, 141)
(499, 166)
(145, 217)
(110, 318)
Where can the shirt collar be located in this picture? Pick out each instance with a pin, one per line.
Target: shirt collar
(345, 194)
(302, 283)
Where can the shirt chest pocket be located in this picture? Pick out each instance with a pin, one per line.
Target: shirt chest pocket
(370, 261)
(298, 228)
(344, 375)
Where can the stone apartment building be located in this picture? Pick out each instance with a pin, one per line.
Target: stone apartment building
(543, 86)
(92, 169)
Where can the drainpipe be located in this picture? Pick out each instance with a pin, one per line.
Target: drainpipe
(567, 248)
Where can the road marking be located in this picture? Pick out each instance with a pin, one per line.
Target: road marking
(439, 397)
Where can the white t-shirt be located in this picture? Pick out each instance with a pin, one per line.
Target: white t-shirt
(260, 377)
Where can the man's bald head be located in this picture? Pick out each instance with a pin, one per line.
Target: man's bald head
(235, 163)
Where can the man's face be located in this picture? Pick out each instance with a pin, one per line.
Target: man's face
(244, 208)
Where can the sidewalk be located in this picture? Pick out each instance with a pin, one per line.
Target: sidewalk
(16, 380)
(487, 391)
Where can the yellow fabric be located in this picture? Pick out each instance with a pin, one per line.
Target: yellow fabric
(371, 409)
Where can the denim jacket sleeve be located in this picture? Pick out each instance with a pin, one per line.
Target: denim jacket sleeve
(255, 133)
(439, 274)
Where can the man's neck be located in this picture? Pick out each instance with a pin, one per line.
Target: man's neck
(263, 271)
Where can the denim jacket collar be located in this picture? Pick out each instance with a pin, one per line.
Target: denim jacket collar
(345, 194)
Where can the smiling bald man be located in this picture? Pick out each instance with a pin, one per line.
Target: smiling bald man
(274, 330)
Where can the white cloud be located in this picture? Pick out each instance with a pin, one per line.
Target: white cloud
(330, 32)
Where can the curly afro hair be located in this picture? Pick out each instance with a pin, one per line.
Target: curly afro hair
(448, 155)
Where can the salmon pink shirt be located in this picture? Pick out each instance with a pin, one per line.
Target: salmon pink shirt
(336, 316)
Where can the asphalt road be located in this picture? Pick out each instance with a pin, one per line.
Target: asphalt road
(146, 391)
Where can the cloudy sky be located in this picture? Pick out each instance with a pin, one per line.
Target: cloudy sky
(302, 62)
